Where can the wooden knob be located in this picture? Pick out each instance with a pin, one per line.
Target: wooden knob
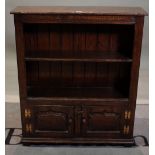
(84, 120)
(70, 120)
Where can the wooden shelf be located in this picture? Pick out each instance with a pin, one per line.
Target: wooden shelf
(76, 92)
(77, 56)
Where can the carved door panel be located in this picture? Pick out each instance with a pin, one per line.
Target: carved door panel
(53, 121)
(102, 121)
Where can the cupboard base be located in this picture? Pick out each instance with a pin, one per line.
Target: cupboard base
(73, 141)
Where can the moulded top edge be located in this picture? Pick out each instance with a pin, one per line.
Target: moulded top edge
(99, 10)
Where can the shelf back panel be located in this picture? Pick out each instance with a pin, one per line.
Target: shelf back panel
(78, 74)
(69, 38)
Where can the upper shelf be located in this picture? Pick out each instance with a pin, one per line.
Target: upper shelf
(96, 10)
(77, 56)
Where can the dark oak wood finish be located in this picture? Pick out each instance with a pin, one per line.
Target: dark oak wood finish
(98, 10)
(78, 73)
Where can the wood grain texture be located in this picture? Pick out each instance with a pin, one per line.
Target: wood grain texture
(101, 10)
(84, 141)
(75, 18)
(135, 66)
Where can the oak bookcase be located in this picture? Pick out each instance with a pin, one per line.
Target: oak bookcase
(78, 73)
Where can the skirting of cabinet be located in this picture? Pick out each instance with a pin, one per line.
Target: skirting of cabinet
(29, 141)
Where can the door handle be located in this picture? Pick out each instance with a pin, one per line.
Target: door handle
(70, 120)
(83, 120)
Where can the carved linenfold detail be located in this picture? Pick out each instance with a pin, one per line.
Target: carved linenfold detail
(127, 114)
(27, 113)
(50, 112)
(29, 128)
(126, 129)
(77, 18)
(97, 18)
(110, 114)
(106, 114)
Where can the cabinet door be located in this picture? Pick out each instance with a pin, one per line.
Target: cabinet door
(53, 121)
(102, 121)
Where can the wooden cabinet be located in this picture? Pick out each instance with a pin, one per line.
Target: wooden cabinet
(102, 121)
(53, 121)
(78, 73)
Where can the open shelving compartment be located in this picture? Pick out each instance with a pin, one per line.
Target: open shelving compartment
(78, 61)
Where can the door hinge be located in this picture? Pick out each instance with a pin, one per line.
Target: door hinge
(27, 113)
(126, 129)
(29, 128)
(127, 114)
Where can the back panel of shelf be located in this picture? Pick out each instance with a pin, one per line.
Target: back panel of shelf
(78, 41)
(48, 76)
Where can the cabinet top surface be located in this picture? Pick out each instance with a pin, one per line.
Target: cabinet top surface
(99, 10)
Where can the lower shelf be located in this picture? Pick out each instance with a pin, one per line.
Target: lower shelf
(76, 92)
